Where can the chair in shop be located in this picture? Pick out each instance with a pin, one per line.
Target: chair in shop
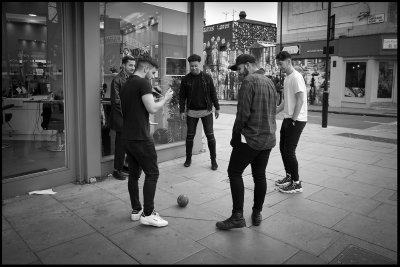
(7, 118)
(53, 119)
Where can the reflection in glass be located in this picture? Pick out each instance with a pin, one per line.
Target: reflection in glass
(385, 81)
(139, 29)
(33, 132)
(355, 79)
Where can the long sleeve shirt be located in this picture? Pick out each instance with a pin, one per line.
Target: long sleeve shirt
(256, 111)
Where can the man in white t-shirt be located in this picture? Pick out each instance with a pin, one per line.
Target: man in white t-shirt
(294, 106)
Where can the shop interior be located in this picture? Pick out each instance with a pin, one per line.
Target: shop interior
(33, 134)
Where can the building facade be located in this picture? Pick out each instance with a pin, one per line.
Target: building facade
(58, 61)
(363, 63)
(223, 42)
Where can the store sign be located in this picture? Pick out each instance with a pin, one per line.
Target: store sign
(379, 18)
(294, 49)
(389, 44)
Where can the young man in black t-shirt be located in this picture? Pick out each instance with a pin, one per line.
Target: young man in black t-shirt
(136, 103)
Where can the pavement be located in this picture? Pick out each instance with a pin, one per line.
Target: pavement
(384, 111)
(346, 214)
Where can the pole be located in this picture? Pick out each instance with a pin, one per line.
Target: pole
(326, 93)
(280, 71)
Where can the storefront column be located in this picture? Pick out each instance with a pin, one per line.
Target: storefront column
(336, 82)
(91, 91)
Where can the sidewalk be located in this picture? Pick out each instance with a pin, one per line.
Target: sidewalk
(376, 111)
(346, 214)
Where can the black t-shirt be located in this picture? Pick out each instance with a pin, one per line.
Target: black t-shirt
(198, 98)
(136, 124)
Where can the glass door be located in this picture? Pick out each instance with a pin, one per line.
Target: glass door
(33, 108)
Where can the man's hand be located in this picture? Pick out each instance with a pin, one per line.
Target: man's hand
(169, 94)
(183, 116)
(216, 114)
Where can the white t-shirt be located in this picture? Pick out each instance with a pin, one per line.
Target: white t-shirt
(293, 84)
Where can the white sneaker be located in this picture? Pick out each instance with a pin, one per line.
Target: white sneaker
(154, 219)
(136, 216)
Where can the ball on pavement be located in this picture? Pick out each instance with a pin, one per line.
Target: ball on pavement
(182, 200)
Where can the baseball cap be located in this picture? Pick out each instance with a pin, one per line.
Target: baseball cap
(242, 59)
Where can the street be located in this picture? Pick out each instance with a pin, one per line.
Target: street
(338, 120)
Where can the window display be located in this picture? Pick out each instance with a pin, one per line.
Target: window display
(385, 81)
(140, 29)
(355, 79)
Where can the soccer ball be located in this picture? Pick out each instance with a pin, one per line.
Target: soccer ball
(182, 200)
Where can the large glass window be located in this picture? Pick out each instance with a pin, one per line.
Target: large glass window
(32, 88)
(156, 29)
(385, 81)
(355, 79)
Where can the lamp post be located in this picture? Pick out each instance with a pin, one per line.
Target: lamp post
(329, 35)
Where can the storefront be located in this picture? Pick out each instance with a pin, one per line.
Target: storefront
(360, 75)
(58, 61)
(365, 75)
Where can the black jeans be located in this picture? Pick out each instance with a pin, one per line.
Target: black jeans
(208, 130)
(119, 153)
(142, 154)
(289, 139)
(242, 155)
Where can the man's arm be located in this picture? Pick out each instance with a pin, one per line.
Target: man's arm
(299, 103)
(280, 107)
(214, 98)
(151, 106)
(245, 100)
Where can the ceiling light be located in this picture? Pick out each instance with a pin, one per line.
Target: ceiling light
(32, 15)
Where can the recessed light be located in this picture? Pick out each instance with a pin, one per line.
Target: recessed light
(32, 15)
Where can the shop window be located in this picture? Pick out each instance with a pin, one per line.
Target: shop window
(355, 79)
(385, 81)
(159, 30)
(33, 108)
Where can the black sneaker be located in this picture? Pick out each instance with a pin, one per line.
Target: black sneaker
(256, 218)
(118, 175)
(235, 221)
(214, 164)
(292, 188)
(187, 162)
(285, 181)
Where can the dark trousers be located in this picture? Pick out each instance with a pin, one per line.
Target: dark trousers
(208, 130)
(142, 154)
(289, 139)
(119, 153)
(242, 155)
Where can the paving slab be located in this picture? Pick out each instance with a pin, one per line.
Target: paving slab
(344, 201)
(385, 212)
(301, 234)
(352, 187)
(371, 230)
(42, 231)
(311, 211)
(247, 246)
(387, 196)
(305, 258)
(110, 218)
(14, 250)
(90, 249)
(152, 245)
(206, 257)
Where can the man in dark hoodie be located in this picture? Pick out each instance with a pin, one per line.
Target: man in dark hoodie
(198, 94)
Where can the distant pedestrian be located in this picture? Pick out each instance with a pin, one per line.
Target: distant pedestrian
(253, 137)
(294, 106)
(198, 94)
(137, 102)
(128, 67)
